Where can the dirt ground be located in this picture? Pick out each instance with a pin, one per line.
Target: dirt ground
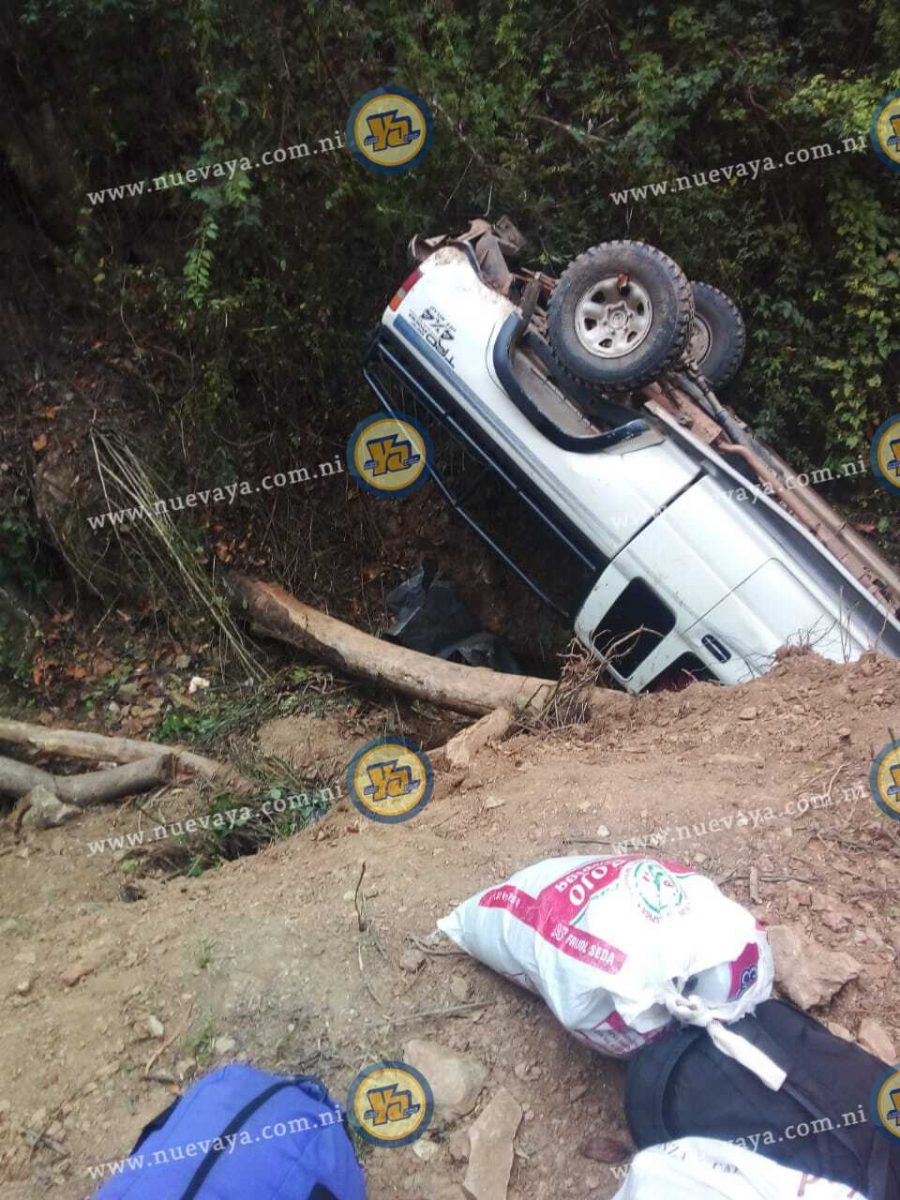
(263, 959)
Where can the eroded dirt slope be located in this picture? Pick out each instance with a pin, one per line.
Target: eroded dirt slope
(266, 953)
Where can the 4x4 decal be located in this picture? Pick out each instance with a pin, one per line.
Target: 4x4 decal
(436, 330)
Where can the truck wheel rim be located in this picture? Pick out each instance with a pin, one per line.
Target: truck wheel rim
(701, 339)
(610, 322)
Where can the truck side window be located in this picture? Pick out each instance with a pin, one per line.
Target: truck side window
(633, 626)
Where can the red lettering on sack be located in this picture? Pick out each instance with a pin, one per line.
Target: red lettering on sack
(541, 917)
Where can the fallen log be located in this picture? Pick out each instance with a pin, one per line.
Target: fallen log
(92, 787)
(96, 747)
(97, 787)
(17, 779)
(274, 613)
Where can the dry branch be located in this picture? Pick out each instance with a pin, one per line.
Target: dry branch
(17, 779)
(95, 747)
(273, 613)
(93, 787)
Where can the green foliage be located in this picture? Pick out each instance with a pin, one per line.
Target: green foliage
(22, 582)
(268, 281)
(20, 551)
(180, 726)
(99, 692)
(229, 710)
(199, 261)
(205, 953)
(249, 825)
(200, 1044)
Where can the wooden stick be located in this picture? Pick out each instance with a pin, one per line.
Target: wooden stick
(453, 1011)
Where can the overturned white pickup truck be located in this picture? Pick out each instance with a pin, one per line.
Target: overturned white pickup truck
(573, 425)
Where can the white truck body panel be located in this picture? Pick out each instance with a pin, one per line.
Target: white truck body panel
(657, 506)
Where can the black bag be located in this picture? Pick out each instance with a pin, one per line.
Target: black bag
(820, 1121)
(431, 618)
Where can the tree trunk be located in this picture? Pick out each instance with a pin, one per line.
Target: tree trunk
(274, 613)
(40, 155)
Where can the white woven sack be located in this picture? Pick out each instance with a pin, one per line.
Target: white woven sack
(706, 1169)
(618, 946)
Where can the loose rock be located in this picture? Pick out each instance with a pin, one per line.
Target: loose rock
(458, 1146)
(835, 920)
(412, 961)
(875, 1038)
(455, 1079)
(76, 971)
(491, 1148)
(809, 973)
(526, 1072)
(46, 810)
(425, 1149)
(155, 1027)
(459, 987)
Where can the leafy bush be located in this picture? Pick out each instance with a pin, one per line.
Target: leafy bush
(262, 287)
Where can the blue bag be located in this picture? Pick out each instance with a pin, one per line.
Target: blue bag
(242, 1134)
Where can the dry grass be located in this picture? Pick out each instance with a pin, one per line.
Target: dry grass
(167, 556)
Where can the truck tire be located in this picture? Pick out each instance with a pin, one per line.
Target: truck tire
(718, 338)
(620, 314)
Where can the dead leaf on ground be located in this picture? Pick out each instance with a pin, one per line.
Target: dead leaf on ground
(40, 442)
